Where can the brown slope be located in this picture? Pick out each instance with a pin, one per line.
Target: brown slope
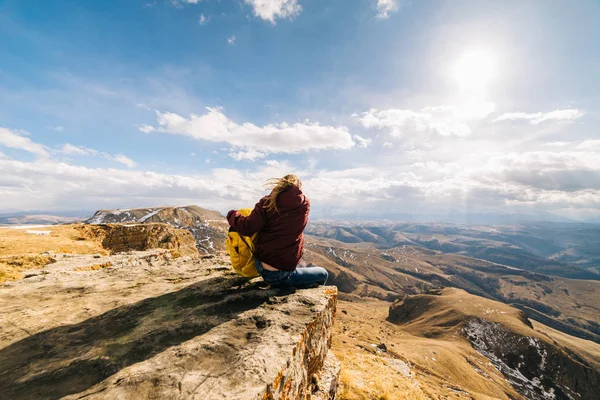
(537, 365)
(450, 344)
(381, 360)
(355, 269)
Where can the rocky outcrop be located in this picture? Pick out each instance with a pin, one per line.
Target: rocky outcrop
(208, 227)
(534, 367)
(326, 385)
(154, 327)
(271, 352)
(119, 238)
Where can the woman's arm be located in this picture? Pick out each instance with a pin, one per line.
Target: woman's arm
(251, 224)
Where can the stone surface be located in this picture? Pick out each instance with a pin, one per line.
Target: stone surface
(148, 326)
(328, 380)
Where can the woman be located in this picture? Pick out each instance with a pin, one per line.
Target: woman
(280, 219)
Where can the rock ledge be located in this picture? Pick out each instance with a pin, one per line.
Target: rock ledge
(216, 336)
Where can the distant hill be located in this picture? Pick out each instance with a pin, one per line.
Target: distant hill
(37, 219)
(561, 249)
(208, 227)
(487, 218)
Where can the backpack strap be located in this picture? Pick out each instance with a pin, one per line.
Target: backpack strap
(246, 243)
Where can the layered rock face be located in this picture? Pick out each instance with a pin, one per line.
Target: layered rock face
(153, 327)
(119, 238)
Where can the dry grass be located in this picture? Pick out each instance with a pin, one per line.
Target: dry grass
(95, 267)
(413, 367)
(20, 250)
(426, 355)
(176, 254)
(573, 298)
(62, 238)
(367, 376)
(587, 349)
(11, 267)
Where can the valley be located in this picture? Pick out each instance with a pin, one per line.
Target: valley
(386, 263)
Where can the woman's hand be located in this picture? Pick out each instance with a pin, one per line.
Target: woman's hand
(230, 213)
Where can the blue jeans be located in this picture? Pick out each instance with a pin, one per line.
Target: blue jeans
(302, 277)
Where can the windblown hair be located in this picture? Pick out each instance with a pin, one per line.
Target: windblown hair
(279, 185)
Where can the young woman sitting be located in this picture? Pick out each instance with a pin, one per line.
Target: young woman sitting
(280, 219)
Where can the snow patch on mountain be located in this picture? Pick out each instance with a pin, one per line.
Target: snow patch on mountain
(521, 359)
(150, 215)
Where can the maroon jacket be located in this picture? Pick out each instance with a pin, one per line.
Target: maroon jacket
(281, 239)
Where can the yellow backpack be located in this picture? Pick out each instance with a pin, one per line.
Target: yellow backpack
(241, 250)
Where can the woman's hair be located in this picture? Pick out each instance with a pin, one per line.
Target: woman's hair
(279, 185)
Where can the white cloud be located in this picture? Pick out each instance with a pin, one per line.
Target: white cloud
(270, 10)
(231, 40)
(120, 158)
(45, 183)
(52, 184)
(466, 111)
(214, 126)
(250, 155)
(385, 7)
(556, 144)
(362, 142)
(19, 140)
(590, 145)
(58, 128)
(549, 160)
(539, 117)
(203, 19)
(443, 120)
(86, 151)
(396, 120)
(177, 3)
(388, 144)
(562, 171)
(481, 173)
(77, 150)
(146, 128)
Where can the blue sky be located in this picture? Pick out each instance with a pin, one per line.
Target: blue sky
(425, 107)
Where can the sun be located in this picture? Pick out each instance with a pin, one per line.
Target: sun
(474, 70)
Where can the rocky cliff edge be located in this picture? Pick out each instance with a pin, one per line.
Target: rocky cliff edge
(146, 325)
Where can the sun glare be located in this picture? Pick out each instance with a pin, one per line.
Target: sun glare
(474, 70)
